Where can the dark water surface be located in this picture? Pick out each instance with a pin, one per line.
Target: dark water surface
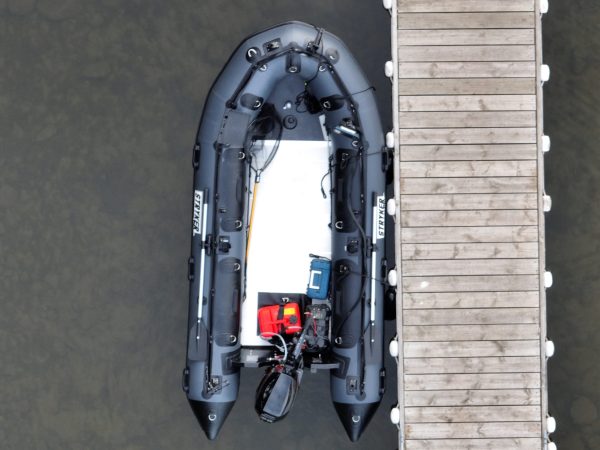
(99, 103)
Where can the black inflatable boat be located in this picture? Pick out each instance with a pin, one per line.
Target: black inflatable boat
(293, 114)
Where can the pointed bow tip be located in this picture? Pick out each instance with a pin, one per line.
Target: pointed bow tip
(211, 416)
(355, 417)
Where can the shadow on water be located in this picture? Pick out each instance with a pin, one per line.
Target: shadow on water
(100, 102)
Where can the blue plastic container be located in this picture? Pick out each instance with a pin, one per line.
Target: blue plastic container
(318, 282)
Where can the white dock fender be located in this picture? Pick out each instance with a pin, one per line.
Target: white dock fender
(546, 143)
(395, 415)
(390, 207)
(392, 278)
(389, 139)
(548, 280)
(550, 349)
(544, 6)
(547, 203)
(393, 348)
(552, 446)
(389, 69)
(544, 72)
(387, 4)
(550, 424)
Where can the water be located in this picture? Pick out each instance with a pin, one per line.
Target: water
(99, 104)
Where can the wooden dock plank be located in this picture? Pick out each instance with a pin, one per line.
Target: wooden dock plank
(436, 202)
(474, 444)
(420, 21)
(427, 267)
(498, 152)
(452, 300)
(508, 69)
(467, 119)
(479, 283)
(515, 36)
(475, 332)
(470, 250)
(450, 414)
(476, 317)
(449, 381)
(461, 169)
(468, 234)
(467, 136)
(471, 348)
(499, 397)
(415, 53)
(464, 5)
(471, 185)
(467, 86)
(467, 103)
(486, 217)
(494, 364)
(473, 430)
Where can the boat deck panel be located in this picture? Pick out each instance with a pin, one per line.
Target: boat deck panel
(470, 224)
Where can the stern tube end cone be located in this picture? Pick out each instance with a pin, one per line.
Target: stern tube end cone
(211, 415)
(355, 417)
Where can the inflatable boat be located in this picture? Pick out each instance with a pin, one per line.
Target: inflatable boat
(287, 263)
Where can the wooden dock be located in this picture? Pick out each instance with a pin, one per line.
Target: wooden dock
(470, 207)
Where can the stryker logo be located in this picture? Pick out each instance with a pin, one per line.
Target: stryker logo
(197, 221)
(381, 217)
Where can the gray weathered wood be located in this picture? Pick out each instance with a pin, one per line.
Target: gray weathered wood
(467, 103)
(463, 397)
(469, 234)
(488, 217)
(467, 201)
(472, 185)
(496, 152)
(449, 414)
(474, 444)
(470, 250)
(471, 348)
(468, 109)
(475, 317)
(475, 332)
(509, 69)
(426, 267)
(466, 86)
(454, 300)
(411, 21)
(415, 53)
(481, 283)
(436, 382)
(459, 169)
(467, 136)
(494, 364)
(467, 119)
(515, 36)
(464, 5)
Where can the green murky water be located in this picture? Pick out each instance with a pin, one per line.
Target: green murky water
(99, 103)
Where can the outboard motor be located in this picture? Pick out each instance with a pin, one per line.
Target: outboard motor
(276, 393)
(278, 388)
